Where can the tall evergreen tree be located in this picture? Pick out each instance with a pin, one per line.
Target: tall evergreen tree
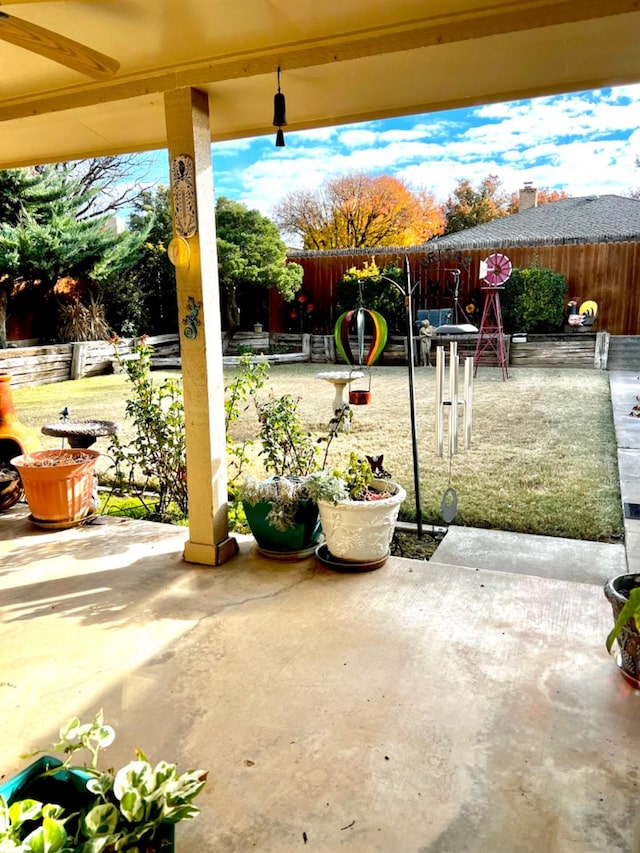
(143, 298)
(42, 239)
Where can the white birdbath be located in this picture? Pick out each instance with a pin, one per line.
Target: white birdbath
(340, 379)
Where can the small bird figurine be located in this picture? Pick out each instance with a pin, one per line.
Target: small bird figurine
(64, 414)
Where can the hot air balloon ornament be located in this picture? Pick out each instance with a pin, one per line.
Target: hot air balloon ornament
(371, 334)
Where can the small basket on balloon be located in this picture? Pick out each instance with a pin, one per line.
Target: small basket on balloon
(361, 396)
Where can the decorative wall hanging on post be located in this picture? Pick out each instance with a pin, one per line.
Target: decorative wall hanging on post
(191, 320)
(449, 506)
(179, 252)
(183, 193)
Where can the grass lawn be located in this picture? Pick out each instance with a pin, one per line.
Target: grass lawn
(543, 458)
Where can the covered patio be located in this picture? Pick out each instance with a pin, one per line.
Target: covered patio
(442, 706)
(447, 706)
(114, 76)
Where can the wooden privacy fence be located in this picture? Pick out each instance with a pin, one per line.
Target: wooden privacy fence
(605, 272)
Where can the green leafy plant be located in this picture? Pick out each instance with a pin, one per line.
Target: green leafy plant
(631, 610)
(354, 482)
(366, 287)
(249, 378)
(155, 459)
(289, 453)
(123, 810)
(288, 450)
(534, 300)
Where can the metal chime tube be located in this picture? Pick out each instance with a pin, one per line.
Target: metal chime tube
(453, 397)
(440, 400)
(468, 401)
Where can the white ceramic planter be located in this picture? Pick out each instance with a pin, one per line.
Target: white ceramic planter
(361, 531)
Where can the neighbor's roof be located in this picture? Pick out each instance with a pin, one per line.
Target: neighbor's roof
(589, 219)
(341, 62)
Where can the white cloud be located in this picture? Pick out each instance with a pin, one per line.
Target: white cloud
(358, 138)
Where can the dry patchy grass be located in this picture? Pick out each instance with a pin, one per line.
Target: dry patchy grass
(543, 458)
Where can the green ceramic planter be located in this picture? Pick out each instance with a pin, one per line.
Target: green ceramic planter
(301, 538)
(67, 788)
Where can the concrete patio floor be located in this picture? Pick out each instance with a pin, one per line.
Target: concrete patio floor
(428, 706)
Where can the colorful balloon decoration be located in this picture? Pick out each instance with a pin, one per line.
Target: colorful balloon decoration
(378, 326)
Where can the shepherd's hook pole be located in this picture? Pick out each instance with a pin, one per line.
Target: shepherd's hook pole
(408, 293)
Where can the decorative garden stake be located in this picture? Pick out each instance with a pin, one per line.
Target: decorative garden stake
(495, 270)
(407, 292)
(379, 340)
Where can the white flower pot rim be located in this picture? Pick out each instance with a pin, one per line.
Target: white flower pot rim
(399, 494)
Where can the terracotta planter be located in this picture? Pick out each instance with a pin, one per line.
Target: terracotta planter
(361, 531)
(58, 484)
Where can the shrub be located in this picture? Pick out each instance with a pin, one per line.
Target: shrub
(534, 300)
(155, 458)
(366, 287)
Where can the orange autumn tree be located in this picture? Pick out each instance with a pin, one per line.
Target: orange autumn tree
(359, 210)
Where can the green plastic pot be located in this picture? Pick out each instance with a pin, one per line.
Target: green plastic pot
(303, 537)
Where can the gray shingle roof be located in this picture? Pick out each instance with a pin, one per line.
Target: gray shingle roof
(589, 219)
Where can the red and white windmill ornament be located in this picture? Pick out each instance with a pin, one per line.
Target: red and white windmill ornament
(494, 270)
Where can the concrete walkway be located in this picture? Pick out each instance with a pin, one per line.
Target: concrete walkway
(625, 394)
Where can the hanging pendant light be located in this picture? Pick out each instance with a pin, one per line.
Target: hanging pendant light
(279, 114)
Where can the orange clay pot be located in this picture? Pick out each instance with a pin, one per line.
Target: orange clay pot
(58, 484)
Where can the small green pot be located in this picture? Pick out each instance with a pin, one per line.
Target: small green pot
(68, 788)
(301, 538)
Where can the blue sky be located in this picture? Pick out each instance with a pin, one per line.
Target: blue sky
(584, 143)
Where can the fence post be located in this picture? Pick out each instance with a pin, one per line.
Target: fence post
(78, 355)
(306, 345)
(601, 354)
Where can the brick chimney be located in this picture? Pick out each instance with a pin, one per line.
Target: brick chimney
(527, 197)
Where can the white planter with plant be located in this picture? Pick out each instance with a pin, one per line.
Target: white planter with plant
(358, 512)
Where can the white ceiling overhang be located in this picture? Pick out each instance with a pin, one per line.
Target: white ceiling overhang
(341, 62)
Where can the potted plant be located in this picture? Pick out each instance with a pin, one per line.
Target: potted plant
(59, 807)
(58, 484)
(623, 593)
(358, 512)
(282, 517)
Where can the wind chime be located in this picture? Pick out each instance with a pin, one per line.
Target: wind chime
(449, 506)
(365, 321)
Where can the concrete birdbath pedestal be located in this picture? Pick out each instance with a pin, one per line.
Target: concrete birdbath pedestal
(340, 379)
(81, 433)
